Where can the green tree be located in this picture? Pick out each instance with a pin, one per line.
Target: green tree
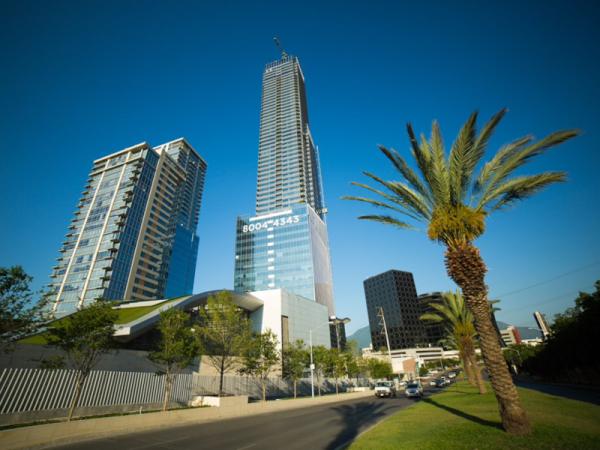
(379, 369)
(260, 358)
(519, 354)
(460, 332)
(84, 336)
(223, 331)
(321, 362)
(351, 363)
(177, 347)
(295, 359)
(563, 357)
(454, 202)
(336, 367)
(18, 316)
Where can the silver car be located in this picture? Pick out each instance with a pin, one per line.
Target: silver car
(414, 389)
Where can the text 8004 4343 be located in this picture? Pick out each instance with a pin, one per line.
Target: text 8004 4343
(270, 223)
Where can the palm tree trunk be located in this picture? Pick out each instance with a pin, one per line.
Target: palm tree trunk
(466, 267)
(467, 366)
(477, 372)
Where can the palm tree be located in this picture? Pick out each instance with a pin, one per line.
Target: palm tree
(454, 204)
(461, 333)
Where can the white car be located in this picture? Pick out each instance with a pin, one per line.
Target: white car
(385, 389)
(414, 389)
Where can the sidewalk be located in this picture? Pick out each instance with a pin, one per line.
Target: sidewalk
(49, 435)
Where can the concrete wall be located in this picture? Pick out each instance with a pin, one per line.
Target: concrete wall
(28, 356)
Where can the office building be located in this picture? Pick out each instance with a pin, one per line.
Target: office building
(394, 294)
(133, 235)
(510, 335)
(435, 331)
(288, 160)
(285, 244)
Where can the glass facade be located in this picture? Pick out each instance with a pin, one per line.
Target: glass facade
(285, 249)
(133, 219)
(288, 162)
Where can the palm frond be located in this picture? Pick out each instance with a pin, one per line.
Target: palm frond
(411, 198)
(491, 167)
(461, 158)
(440, 182)
(518, 158)
(409, 210)
(409, 175)
(380, 205)
(430, 317)
(388, 220)
(522, 187)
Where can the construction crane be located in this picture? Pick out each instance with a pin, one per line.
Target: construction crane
(280, 47)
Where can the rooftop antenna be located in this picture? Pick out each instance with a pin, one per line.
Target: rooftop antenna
(280, 47)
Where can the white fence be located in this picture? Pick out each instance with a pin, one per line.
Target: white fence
(24, 390)
(30, 390)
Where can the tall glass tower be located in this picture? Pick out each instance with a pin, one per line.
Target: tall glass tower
(288, 160)
(133, 236)
(285, 245)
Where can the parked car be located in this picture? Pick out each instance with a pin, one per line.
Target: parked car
(385, 389)
(451, 374)
(414, 389)
(434, 382)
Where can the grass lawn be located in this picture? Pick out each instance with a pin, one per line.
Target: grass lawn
(460, 418)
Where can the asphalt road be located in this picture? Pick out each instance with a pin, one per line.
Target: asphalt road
(328, 427)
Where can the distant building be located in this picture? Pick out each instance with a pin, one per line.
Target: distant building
(394, 293)
(405, 361)
(542, 324)
(337, 330)
(134, 232)
(435, 331)
(511, 335)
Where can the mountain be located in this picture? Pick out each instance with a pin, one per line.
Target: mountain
(362, 336)
(525, 332)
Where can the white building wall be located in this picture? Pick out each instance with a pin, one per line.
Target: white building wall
(303, 315)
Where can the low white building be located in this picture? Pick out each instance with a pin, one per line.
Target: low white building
(289, 316)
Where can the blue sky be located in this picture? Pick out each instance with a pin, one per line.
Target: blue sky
(83, 79)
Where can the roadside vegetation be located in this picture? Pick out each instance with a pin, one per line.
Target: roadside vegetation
(461, 418)
(564, 357)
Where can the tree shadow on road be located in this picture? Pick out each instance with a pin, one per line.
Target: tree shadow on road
(354, 417)
(464, 415)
